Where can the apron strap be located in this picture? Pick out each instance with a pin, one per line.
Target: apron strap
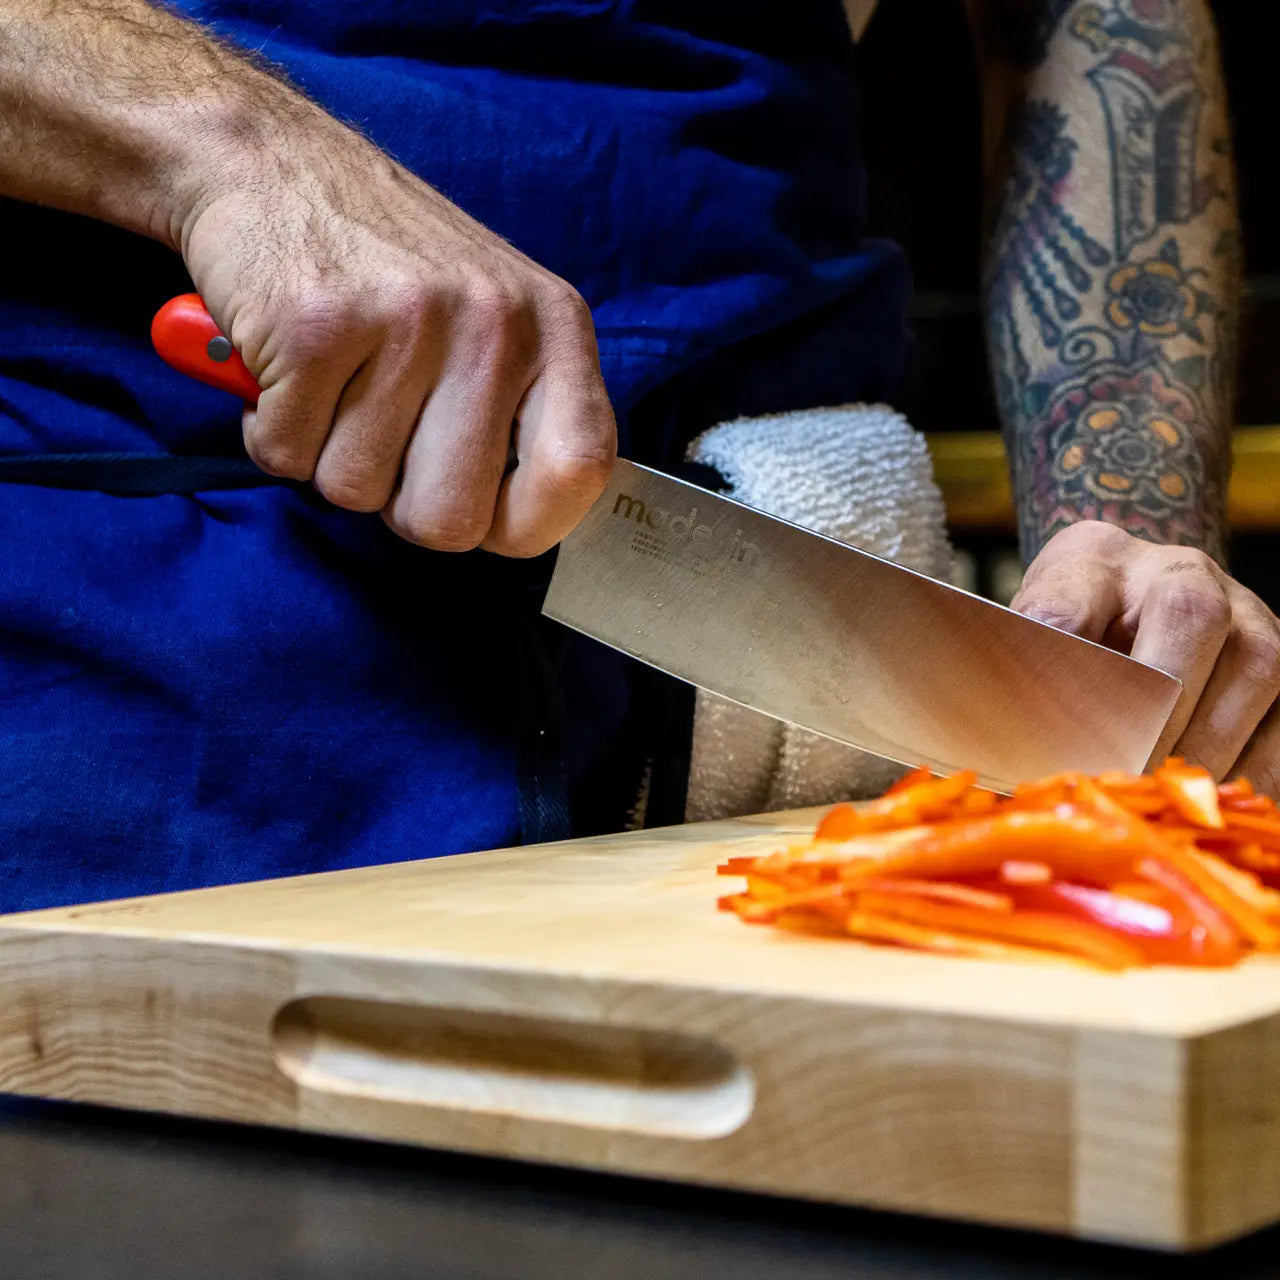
(134, 475)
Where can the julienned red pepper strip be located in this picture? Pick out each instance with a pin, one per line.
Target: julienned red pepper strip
(762, 910)
(839, 824)
(1192, 792)
(1036, 928)
(1259, 805)
(1222, 936)
(1262, 827)
(1242, 882)
(760, 907)
(1143, 806)
(1229, 838)
(1236, 789)
(1264, 863)
(1165, 932)
(926, 801)
(939, 890)
(977, 802)
(831, 855)
(1248, 921)
(1022, 872)
(905, 933)
(1073, 844)
(909, 780)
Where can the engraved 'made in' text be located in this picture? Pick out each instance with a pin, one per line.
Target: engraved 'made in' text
(684, 528)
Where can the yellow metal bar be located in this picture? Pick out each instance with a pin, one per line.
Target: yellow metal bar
(974, 479)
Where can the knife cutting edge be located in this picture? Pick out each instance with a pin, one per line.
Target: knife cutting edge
(809, 630)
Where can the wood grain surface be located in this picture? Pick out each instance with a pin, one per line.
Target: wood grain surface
(584, 1004)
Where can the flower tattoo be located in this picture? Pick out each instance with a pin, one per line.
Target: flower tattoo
(1157, 296)
(1128, 437)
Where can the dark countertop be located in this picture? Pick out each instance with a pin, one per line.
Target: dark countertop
(87, 1194)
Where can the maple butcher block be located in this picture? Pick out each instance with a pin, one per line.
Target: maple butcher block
(584, 1004)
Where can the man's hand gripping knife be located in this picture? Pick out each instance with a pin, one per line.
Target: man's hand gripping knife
(401, 347)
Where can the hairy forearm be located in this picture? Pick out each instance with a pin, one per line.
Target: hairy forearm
(121, 111)
(1111, 276)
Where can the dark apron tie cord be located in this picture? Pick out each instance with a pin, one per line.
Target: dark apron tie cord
(135, 475)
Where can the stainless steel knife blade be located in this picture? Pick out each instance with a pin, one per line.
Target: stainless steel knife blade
(816, 633)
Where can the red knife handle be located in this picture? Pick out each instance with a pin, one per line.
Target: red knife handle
(187, 337)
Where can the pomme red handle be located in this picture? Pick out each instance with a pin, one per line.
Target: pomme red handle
(186, 336)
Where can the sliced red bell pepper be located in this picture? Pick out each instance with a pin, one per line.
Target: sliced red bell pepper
(1166, 933)
(939, 890)
(1236, 789)
(1263, 828)
(909, 780)
(1192, 792)
(1221, 935)
(1033, 928)
(928, 937)
(1022, 872)
(1112, 871)
(1251, 922)
(1253, 804)
(762, 910)
(924, 801)
(838, 824)
(1075, 845)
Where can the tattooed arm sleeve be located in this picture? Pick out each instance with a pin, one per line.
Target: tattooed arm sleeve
(1111, 273)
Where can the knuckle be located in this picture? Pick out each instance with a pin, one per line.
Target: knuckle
(582, 468)
(500, 328)
(1259, 651)
(442, 531)
(518, 547)
(402, 308)
(358, 465)
(1198, 606)
(494, 305)
(1091, 535)
(563, 300)
(411, 304)
(278, 458)
(1071, 560)
(1055, 609)
(350, 491)
(1264, 773)
(567, 317)
(1064, 593)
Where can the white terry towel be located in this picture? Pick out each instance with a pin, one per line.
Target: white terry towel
(857, 473)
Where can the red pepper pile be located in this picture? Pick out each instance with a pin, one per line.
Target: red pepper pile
(1116, 871)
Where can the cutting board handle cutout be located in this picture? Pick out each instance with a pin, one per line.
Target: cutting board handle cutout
(589, 1074)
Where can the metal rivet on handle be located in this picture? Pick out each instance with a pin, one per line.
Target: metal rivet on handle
(219, 349)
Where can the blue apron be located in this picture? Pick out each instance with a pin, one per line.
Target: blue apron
(205, 679)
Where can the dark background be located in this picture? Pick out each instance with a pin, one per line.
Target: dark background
(920, 121)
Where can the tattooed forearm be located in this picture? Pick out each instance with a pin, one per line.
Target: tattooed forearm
(1111, 274)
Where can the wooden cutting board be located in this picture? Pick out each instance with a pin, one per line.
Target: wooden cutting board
(585, 1004)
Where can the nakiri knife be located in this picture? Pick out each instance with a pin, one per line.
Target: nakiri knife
(809, 630)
